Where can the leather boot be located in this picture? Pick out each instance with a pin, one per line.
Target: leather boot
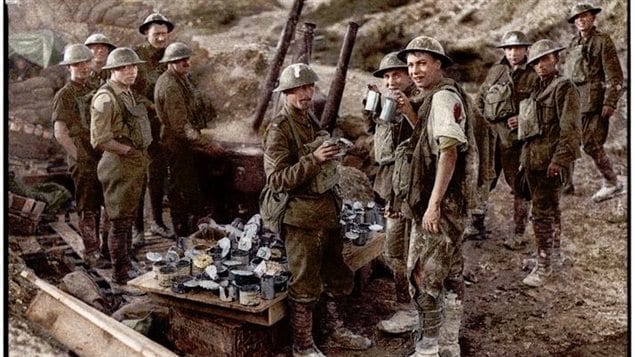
(119, 232)
(405, 319)
(611, 187)
(449, 331)
(340, 336)
(430, 311)
(543, 230)
(89, 225)
(302, 326)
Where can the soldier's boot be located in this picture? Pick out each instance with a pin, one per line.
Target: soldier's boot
(521, 212)
(475, 228)
(430, 319)
(611, 187)
(543, 230)
(568, 187)
(405, 319)
(302, 326)
(117, 244)
(449, 330)
(89, 226)
(338, 335)
(105, 230)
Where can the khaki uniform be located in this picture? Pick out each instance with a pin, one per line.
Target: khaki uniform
(603, 86)
(311, 229)
(119, 117)
(157, 169)
(176, 108)
(69, 106)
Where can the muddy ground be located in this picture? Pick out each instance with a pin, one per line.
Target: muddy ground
(582, 312)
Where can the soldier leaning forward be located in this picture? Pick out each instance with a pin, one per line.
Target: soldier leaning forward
(434, 177)
(549, 125)
(593, 65)
(120, 127)
(182, 140)
(508, 82)
(71, 118)
(299, 162)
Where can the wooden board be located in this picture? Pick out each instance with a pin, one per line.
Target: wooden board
(85, 330)
(28, 244)
(358, 256)
(267, 313)
(70, 236)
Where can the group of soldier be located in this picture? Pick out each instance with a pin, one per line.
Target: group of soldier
(438, 161)
(126, 127)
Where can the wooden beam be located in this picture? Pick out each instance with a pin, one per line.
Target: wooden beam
(70, 236)
(84, 329)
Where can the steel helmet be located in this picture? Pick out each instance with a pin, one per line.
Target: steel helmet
(99, 39)
(542, 48)
(426, 44)
(120, 57)
(176, 51)
(579, 8)
(76, 53)
(155, 18)
(514, 38)
(389, 62)
(296, 75)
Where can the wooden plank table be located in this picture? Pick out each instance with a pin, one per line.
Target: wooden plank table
(268, 312)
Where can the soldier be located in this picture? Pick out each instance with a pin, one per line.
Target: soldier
(593, 65)
(100, 46)
(182, 140)
(548, 150)
(387, 135)
(298, 161)
(156, 29)
(120, 127)
(508, 82)
(434, 186)
(71, 118)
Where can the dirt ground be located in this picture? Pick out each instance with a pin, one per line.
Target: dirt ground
(581, 312)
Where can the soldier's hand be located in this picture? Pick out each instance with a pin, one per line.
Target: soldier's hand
(555, 170)
(512, 122)
(389, 212)
(607, 112)
(373, 87)
(431, 219)
(326, 152)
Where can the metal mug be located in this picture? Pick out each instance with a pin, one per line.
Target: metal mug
(388, 110)
(267, 287)
(372, 101)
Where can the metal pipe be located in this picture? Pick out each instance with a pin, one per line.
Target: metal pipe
(331, 108)
(274, 70)
(304, 47)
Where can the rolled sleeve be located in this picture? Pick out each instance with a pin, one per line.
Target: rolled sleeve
(442, 122)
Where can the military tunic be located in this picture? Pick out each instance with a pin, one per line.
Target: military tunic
(505, 148)
(603, 86)
(68, 107)
(310, 229)
(176, 109)
(437, 256)
(558, 112)
(116, 115)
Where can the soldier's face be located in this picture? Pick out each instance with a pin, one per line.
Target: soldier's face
(80, 71)
(424, 69)
(158, 35)
(301, 98)
(181, 67)
(100, 51)
(125, 75)
(515, 54)
(397, 79)
(545, 66)
(584, 21)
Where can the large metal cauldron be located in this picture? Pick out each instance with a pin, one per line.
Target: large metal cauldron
(247, 171)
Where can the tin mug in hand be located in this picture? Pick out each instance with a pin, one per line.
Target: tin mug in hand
(388, 110)
(372, 101)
